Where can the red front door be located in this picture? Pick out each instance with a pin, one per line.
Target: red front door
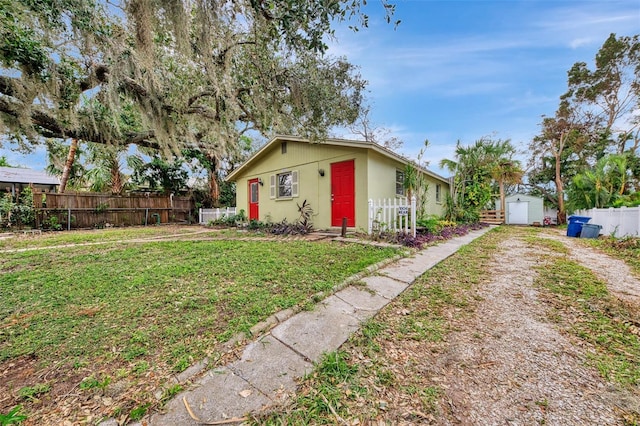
(253, 199)
(343, 190)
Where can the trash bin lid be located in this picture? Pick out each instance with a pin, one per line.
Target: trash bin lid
(591, 226)
(581, 219)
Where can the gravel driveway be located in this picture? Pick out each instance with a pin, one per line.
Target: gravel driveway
(503, 357)
(523, 371)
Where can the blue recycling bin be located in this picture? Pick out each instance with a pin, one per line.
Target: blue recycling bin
(574, 228)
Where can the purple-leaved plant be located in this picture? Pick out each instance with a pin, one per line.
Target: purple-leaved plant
(426, 238)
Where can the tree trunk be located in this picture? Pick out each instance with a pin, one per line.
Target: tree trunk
(214, 188)
(68, 164)
(502, 204)
(562, 214)
(117, 185)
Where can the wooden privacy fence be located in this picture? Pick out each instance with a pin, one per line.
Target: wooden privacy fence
(494, 217)
(621, 221)
(393, 215)
(207, 215)
(89, 210)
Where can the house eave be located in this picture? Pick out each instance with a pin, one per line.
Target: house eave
(331, 141)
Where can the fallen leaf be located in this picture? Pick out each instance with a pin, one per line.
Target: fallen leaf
(245, 393)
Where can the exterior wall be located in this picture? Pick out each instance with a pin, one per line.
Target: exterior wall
(382, 172)
(434, 207)
(382, 183)
(535, 210)
(308, 159)
(375, 178)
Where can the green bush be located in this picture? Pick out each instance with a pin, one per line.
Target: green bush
(19, 212)
(434, 224)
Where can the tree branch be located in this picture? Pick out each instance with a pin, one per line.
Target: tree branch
(11, 86)
(222, 56)
(49, 126)
(99, 74)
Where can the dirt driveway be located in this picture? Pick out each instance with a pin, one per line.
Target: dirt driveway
(494, 351)
(522, 370)
(510, 365)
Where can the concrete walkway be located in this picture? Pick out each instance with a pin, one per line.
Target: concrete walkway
(270, 365)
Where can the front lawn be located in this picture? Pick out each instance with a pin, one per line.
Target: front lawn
(55, 238)
(88, 332)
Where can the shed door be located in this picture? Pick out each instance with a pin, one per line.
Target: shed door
(253, 199)
(343, 191)
(518, 213)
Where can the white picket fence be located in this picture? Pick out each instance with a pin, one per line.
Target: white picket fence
(395, 214)
(207, 215)
(619, 222)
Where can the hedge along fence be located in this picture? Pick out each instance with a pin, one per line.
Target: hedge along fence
(89, 210)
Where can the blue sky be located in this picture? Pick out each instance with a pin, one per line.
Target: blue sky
(460, 70)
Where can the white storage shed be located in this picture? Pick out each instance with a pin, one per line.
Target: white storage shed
(523, 209)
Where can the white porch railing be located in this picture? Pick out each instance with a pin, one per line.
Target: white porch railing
(207, 215)
(621, 222)
(395, 215)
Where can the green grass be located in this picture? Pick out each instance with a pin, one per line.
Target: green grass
(385, 360)
(393, 354)
(584, 307)
(92, 382)
(13, 416)
(156, 307)
(627, 249)
(49, 239)
(83, 301)
(33, 392)
(336, 378)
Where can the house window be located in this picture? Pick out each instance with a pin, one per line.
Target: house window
(399, 182)
(254, 192)
(283, 148)
(284, 185)
(438, 193)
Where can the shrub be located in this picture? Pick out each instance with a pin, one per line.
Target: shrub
(447, 231)
(19, 212)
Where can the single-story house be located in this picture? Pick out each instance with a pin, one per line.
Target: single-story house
(15, 179)
(523, 209)
(336, 177)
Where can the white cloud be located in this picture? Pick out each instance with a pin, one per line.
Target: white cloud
(579, 42)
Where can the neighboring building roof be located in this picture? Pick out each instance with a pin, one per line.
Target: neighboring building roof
(330, 141)
(18, 175)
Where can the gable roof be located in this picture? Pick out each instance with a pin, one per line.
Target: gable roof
(330, 141)
(19, 175)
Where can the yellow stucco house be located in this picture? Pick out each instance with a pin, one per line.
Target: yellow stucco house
(336, 177)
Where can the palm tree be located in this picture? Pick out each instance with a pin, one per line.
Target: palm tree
(59, 163)
(107, 172)
(505, 170)
(602, 185)
(475, 167)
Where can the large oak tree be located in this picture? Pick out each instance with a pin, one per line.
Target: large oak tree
(171, 75)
